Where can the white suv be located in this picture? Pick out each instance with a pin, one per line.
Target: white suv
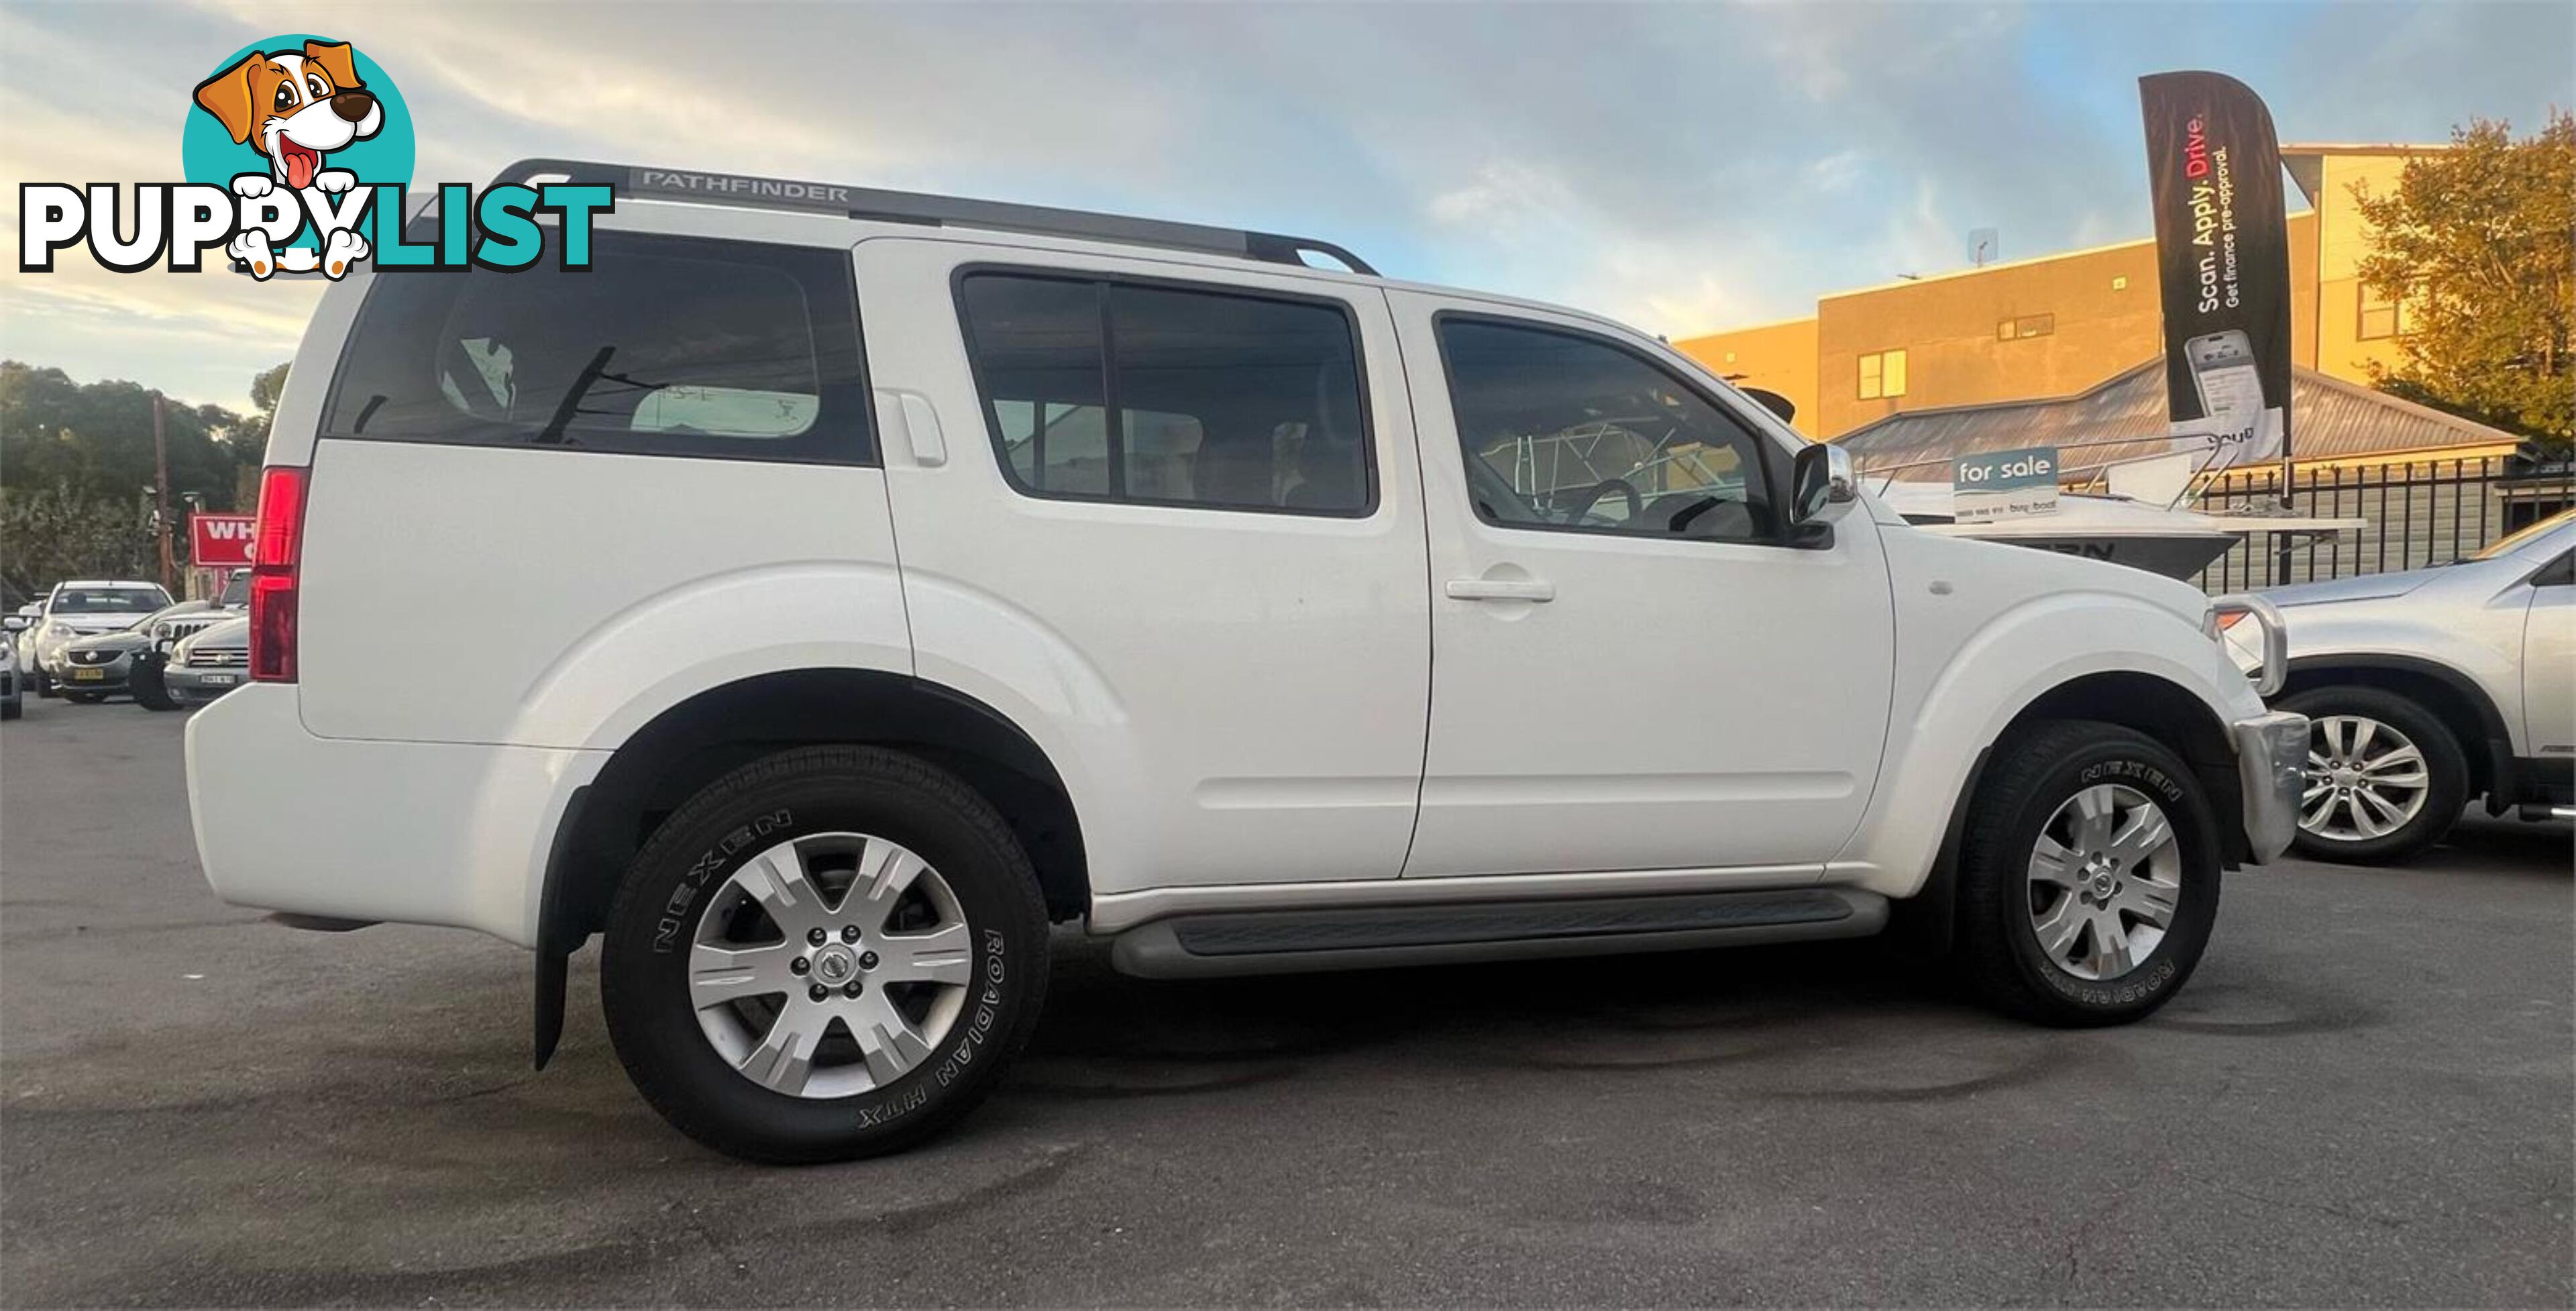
(870, 579)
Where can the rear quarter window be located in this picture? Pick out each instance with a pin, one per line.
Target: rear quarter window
(664, 346)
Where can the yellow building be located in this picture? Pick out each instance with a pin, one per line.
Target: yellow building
(2059, 324)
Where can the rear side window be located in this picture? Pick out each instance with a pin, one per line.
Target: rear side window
(665, 346)
(1140, 392)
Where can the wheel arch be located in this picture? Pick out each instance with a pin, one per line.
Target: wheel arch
(2448, 695)
(2148, 703)
(692, 743)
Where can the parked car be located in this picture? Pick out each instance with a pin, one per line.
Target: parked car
(74, 610)
(208, 663)
(20, 636)
(13, 681)
(98, 667)
(148, 678)
(1092, 570)
(2432, 688)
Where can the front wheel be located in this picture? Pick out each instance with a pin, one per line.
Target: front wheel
(2088, 882)
(2385, 778)
(829, 953)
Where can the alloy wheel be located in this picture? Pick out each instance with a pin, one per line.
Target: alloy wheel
(2366, 779)
(2105, 876)
(830, 965)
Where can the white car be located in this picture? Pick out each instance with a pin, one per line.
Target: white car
(2433, 687)
(13, 681)
(84, 608)
(864, 580)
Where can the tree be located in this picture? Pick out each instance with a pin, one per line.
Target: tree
(2475, 242)
(264, 391)
(75, 459)
(96, 438)
(51, 533)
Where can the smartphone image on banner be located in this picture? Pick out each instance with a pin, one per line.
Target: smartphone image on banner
(2231, 392)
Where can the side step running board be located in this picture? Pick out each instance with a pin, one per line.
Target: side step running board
(1298, 941)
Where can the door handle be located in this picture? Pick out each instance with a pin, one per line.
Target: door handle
(1500, 589)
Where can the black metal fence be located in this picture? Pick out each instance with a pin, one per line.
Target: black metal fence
(2415, 514)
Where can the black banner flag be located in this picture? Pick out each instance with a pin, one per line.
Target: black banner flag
(2223, 259)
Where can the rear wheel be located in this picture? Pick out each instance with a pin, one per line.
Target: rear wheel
(830, 953)
(2385, 777)
(2088, 882)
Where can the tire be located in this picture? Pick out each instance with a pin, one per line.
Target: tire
(41, 683)
(2340, 829)
(683, 886)
(2042, 781)
(149, 691)
(12, 708)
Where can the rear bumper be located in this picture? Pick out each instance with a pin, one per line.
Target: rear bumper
(409, 832)
(2272, 768)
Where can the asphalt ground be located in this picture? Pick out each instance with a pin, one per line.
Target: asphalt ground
(2364, 1097)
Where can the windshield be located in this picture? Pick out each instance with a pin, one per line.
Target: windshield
(107, 600)
(2523, 536)
(236, 591)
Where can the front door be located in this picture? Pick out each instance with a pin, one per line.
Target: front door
(2549, 663)
(1631, 671)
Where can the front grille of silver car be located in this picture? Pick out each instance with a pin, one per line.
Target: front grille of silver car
(220, 657)
(171, 630)
(93, 657)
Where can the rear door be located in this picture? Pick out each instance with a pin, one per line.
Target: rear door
(1168, 518)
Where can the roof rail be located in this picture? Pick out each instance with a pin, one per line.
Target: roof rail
(689, 187)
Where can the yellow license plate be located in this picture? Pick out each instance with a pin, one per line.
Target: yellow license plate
(89, 675)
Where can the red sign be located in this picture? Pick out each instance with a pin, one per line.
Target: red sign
(220, 541)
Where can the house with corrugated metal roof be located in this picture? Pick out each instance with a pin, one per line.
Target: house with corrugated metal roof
(2427, 486)
(2124, 418)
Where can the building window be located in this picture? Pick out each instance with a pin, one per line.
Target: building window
(1882, 374)
(2028, 325)
(2120, 283)
(2379, 315)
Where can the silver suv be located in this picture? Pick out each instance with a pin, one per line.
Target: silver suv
(2432, 687)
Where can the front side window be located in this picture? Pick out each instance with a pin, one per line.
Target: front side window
(667, 345)
(1561, 430)
(1101, 390)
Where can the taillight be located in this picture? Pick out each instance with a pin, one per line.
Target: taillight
(277, 549)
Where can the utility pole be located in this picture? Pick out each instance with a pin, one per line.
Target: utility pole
(161, 487)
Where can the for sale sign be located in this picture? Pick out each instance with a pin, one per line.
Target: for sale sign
(2004, 485)
(220, 541)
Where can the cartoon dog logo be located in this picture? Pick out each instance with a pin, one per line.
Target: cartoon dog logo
(294, 108)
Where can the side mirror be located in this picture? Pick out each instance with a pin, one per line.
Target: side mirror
(14, 624)
(1821, 475)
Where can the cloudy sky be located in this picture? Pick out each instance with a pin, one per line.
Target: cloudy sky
(1685, 167)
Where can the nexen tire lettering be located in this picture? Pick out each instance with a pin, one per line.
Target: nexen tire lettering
(666, 932)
